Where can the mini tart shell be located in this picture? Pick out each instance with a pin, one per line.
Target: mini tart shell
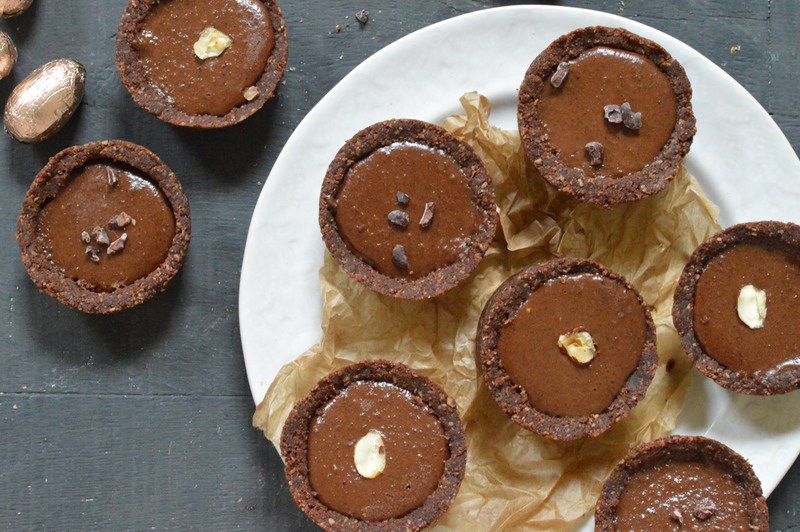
(52, 179)
(294, 446)
(606, 192)
(680, 448)
(783, 234)
(148, 98)
(364, 144)
(503, 307)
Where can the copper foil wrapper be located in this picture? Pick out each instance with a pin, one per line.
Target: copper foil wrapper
(44, 101)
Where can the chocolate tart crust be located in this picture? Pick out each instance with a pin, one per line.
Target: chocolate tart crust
(52, 179)
(294, 445)
(148, 98)
(606, 192)
(361, 146)
(680, 447)
(503, 307)
(783, 234)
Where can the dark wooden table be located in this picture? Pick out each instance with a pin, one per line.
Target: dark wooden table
(142, 420)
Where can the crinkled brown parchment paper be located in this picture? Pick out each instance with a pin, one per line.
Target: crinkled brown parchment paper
(514, 479)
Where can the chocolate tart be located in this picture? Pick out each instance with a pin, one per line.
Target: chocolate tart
(682, 483)
(158, 65)
(104, 227)
(606, 66)
(425, 449)
(755, 361)
(534, 380)
(407, 209)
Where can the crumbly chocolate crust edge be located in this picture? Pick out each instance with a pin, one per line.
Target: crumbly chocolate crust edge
(144, 94)
(294, 446)
(362, 145)
(607, 193)
(503, 307)
(52, 179)
(783, 234)
(681, 448)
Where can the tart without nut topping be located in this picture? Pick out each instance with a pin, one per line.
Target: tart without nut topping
(682, 483)
(407, 209)
(606, 116)
(100, 244)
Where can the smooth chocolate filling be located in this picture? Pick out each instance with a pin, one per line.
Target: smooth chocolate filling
(723, 336)
(205, 86)
(415, 449)
(673, 495)
(554, 383)
(369, 193)
(89, 201)
(573, 113)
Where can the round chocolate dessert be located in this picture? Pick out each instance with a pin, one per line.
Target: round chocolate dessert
(374, 446)
(201, 63)
(104, 227)
(567, 347)
(737, 306)
(682, 483)
(606, 116)
(407, 209)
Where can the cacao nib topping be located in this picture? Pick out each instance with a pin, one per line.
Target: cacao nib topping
(112, 176)
(121, 220)
(427, 215)
(613, 114)
(559, 75)
(91, 252)
(398, 219)
(705, 511)
(117, 245)
(100, 236)
(630, 119)
(402, 199)
(399, 258)
(595, 151)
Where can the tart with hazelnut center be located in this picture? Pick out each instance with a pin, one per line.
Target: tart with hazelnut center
(568, 348)
(104, 227)
(606, 115)
(201, 63)
(682, 483)
(407, 209)
(374, 446)
(737, 308)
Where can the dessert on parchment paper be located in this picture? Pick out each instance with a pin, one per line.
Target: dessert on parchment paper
(606, 115)
(513, 477)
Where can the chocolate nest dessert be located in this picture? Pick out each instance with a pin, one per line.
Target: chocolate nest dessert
(606, 116)
(374, 446)
(568, 348)
(737, 306)
(104, 227)
(407, 209)
(682, 483)
(201, 63)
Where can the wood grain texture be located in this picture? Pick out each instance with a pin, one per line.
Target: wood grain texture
(141, 420)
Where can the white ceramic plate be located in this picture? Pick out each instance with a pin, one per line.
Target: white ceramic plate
(422, 76)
